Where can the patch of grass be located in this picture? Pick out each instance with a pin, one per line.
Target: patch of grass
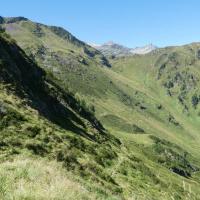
(28, 178)
(121, 124)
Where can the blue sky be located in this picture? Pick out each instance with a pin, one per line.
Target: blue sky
(128, 22)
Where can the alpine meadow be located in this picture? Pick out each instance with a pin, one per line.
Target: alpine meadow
(83, 121)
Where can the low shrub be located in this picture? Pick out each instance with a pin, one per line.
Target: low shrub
(32, 131)
(105, 155)
(37, 148)
(11, 117)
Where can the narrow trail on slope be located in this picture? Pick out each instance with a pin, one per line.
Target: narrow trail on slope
(119, 162)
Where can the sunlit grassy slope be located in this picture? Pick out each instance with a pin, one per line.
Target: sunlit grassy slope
(33, 178)
(148, 103)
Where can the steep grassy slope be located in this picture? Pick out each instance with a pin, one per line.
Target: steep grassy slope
(159, 152)
(38, 118)
(31, 178)
(56, 50)
(171, 77)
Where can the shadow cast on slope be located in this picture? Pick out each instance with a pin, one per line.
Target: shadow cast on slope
(29, 82)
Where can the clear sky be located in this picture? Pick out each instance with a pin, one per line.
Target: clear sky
(128, 22)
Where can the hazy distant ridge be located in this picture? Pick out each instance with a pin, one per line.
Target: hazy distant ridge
(113, 49)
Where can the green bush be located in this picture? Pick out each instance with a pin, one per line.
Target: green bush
(68, 157)
(83, 104)
(37, 148)
(195, 100)
(105, 155)
(11, 117)
(33, 131)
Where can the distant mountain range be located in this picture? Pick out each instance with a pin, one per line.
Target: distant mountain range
(113, 49)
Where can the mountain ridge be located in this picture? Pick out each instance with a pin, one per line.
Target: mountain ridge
(117, 50)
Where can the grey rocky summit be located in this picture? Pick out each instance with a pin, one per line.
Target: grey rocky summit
(112, 49)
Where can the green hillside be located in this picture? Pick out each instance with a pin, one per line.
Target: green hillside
(38, 118)
(55, 115)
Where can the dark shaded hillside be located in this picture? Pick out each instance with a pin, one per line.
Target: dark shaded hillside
(60, 53)
(29, 81)
(38, 118)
